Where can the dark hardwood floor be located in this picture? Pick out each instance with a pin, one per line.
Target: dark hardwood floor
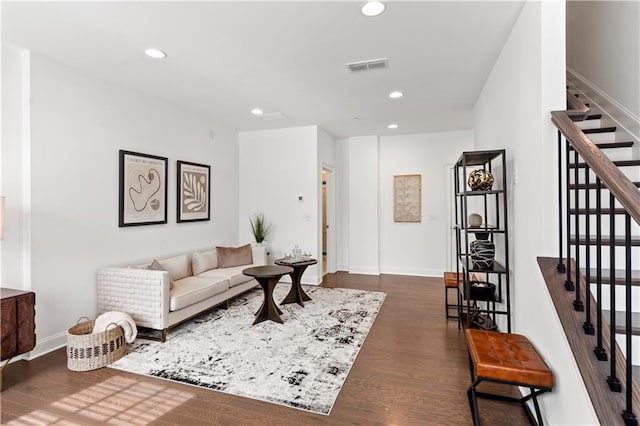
(412, 370)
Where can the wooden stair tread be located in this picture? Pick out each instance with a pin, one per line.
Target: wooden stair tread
(594, 117)
(599, 130)
(592, 211)
(606, 276)
(611, 145)
(619, 163)
(593, 186)
(606, 240)
(621, 321)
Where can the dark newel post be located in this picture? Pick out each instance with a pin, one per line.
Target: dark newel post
(599, 351)
(627, 414)
(612, 380)
(561, 268)
(568, 284)
(577, 302)
(587, 326)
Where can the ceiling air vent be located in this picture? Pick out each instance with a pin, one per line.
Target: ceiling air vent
(373, 64)
(273, 116)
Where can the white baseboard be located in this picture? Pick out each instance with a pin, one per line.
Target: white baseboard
(623, 118)
(364, 270)
(48, 344)
(416, 272)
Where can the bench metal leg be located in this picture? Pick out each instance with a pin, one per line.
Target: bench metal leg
(448, 305)
(535, 421)
(473, 403)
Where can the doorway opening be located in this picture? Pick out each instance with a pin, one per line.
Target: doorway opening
(324, 222)
(328, 231)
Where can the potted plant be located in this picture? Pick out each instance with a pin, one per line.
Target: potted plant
(260, 228)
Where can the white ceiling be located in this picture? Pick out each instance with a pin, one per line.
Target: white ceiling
(225, 58)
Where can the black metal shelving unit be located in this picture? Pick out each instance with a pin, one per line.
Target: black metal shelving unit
(493, 204)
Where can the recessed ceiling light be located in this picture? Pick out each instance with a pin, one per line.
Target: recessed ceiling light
(372, 8)
(155, 53)
(256, 111)
(396, 94)
(392, 126)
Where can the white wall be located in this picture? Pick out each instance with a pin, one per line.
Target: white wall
(15, 169)
(603, 45)
(532, 64)
(276, 166)
(363, 205)
(417, 248)
(342, 204)
(78, 124)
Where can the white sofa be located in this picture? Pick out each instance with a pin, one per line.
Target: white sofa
(190, 284)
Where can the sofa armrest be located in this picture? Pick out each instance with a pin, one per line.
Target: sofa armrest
(141, 293)
(259, 254)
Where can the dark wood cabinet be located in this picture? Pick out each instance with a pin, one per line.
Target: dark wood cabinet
(17, 313)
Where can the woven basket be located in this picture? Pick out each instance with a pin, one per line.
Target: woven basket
(89, 351)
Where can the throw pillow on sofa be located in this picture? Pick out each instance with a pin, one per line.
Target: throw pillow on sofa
(178, 267)
(156, 266)
(234, 256)
(204, 261)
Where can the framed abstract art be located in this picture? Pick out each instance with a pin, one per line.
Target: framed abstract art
(194, 192)
(142, 189)
(407, 194)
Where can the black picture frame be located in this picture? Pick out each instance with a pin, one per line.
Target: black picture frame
(142, 189)
(193, 192)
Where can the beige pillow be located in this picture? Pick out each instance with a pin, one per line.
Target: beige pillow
(204, 261)
(178, 267)
(234, 256)
(156, 266)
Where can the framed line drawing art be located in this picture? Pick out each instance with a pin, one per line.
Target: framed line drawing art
(194, 192)
(407, 198)
(142, 189)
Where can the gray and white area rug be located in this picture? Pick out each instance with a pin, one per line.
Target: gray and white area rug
(302, 363)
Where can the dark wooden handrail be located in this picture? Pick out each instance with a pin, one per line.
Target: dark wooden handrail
(577, 110)
(622, 188)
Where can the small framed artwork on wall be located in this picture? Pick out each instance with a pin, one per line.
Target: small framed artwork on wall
(194, 192)
(142, 189)
(407, 194)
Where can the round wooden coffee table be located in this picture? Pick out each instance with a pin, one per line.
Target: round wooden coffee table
(296, 294)
(268, 277)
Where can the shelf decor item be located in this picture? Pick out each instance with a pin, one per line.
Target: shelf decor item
(481, 290)
(483, 253)
(475, 220)
(480, 180)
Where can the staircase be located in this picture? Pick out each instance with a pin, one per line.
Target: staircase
(618, 147)
(599, 209)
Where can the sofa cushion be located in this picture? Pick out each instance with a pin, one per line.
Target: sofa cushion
(156, 266)
(234, 256)
(204, 261)
(178, 266)
(190, 290)
(233, 274)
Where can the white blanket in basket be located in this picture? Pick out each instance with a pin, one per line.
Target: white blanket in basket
(103, 322)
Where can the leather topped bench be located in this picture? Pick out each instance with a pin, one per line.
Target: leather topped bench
(509, 359)
(451, 280)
